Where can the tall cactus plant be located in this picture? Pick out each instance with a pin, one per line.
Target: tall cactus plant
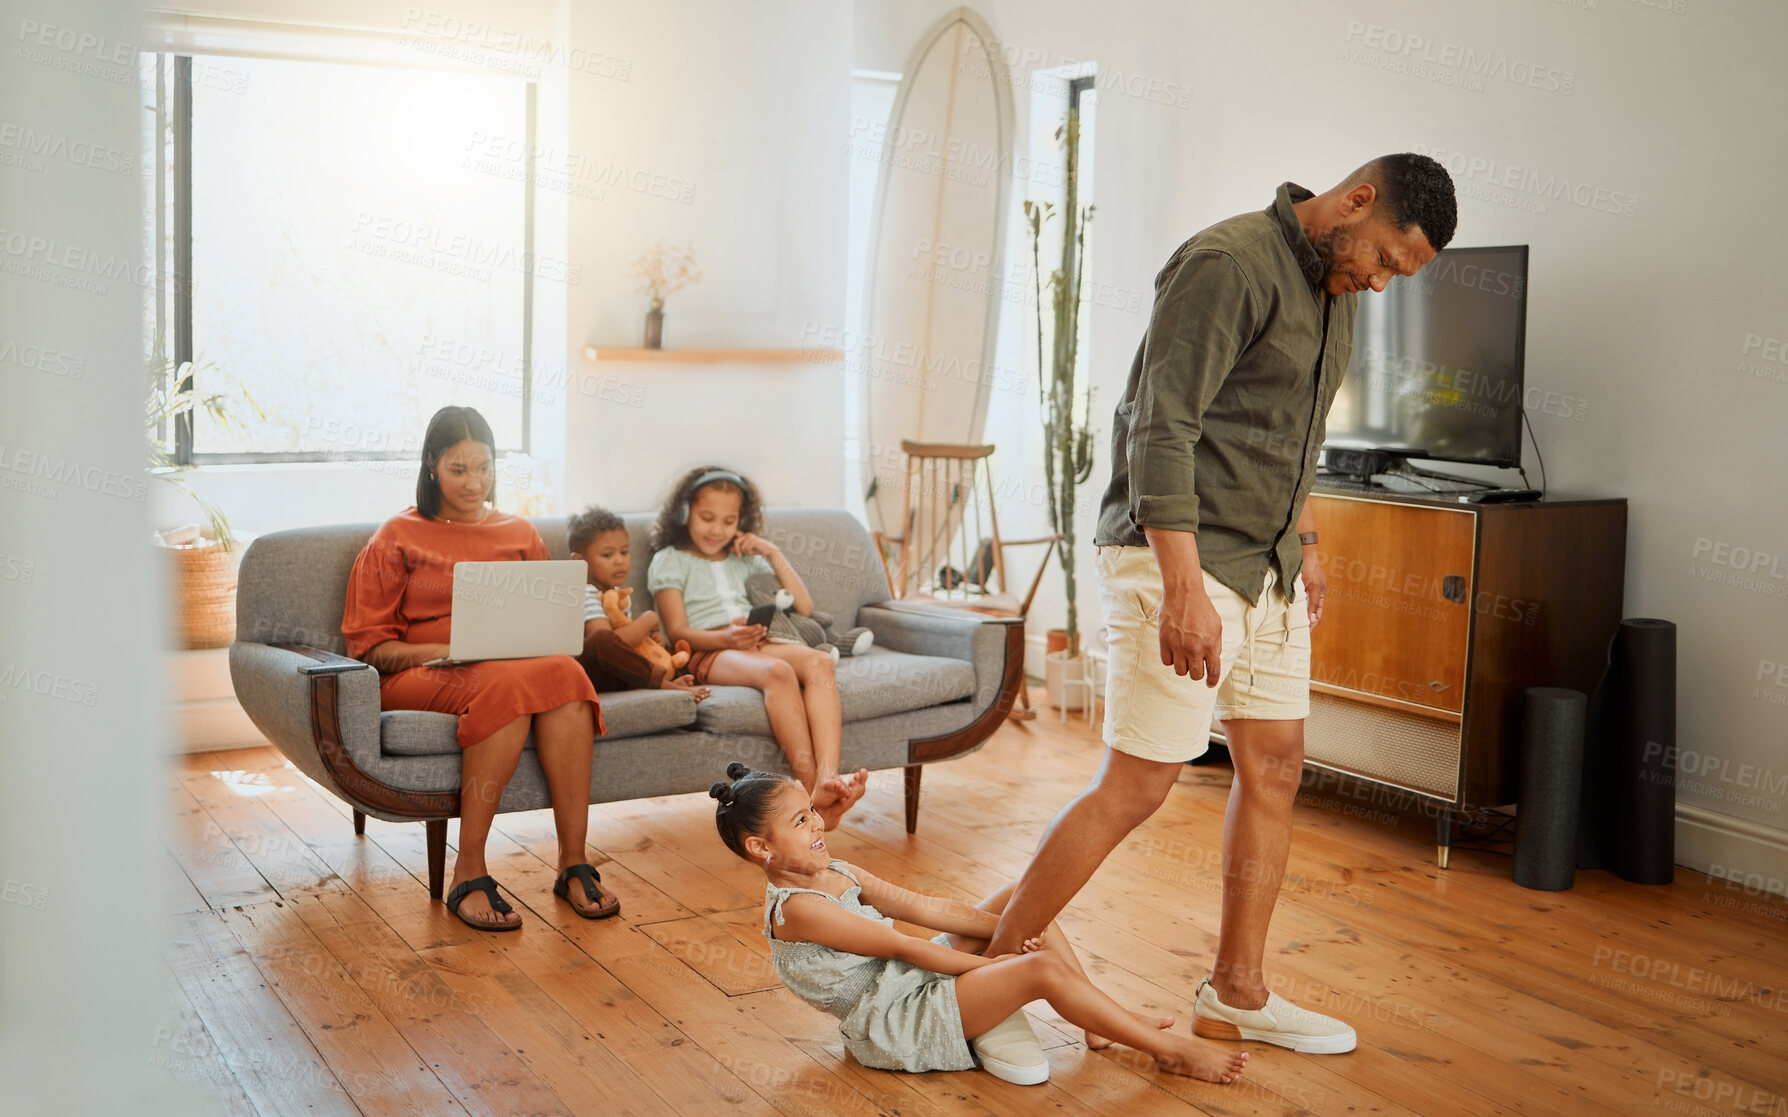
(1068, 444)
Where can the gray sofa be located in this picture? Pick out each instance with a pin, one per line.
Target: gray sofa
(936, 685)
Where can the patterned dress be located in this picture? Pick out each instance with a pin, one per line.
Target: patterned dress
(401, 588)
(893, 1016)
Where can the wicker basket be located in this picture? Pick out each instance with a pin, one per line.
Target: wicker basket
(205, 594)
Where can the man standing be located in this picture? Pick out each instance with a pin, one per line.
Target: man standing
(1204, 535)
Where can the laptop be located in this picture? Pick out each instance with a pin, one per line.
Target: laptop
(516, 610)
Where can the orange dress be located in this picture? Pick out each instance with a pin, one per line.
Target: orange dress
(401, 588)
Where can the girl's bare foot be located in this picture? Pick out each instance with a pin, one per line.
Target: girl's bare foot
(1200, 1058)
(1100, 1043)
(827, 794)
(857, 785)
(841, 794)
(687, 682)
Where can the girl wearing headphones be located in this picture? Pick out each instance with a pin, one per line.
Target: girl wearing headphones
(704, 546)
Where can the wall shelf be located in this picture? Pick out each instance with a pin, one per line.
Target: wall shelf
(606, 355)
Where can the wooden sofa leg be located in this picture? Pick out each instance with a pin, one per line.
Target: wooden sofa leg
(913, 775)
(359, 822)
(437, 855)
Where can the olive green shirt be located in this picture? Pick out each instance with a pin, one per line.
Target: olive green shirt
(1222, 418)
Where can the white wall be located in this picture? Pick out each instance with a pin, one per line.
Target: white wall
(478, 32)
(1666, 323)
(730, 136)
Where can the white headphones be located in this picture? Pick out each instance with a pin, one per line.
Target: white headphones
(707, 478)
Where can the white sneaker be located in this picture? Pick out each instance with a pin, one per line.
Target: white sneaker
(1278, 1021)
(1010, 1052)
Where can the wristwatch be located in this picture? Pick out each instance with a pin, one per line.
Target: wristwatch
(1307, 538)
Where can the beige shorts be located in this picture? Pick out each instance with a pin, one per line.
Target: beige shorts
(1155, 714)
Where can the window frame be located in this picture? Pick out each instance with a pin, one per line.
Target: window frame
(179, 176)
(1075, 251)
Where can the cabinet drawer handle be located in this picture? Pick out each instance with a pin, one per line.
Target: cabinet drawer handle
(1452, 587)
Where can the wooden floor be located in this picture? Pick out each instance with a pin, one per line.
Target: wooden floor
(309, 972)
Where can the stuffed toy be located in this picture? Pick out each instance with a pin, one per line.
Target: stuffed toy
(614, 607)
(815, 631)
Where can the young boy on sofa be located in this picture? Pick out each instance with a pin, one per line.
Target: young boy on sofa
(612, 656)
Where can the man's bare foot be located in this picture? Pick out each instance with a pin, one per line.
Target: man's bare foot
(687, 683)
(1100, 1043)
(1200, 1058)
(840, 794)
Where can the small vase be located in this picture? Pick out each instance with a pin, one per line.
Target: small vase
(655, 328)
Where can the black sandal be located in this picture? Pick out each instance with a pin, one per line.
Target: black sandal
(488, 886)
(592, 893)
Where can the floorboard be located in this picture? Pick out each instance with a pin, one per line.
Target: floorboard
(310, 973)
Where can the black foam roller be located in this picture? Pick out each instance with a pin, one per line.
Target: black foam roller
(1642, 744)
(1552, 725)
(1595, 809)
(1626, 818)
(1595, 828)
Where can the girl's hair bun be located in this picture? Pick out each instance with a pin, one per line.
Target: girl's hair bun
(746, 804)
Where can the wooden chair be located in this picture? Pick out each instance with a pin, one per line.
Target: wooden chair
(949, 551)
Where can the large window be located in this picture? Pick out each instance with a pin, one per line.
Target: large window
(349, 246)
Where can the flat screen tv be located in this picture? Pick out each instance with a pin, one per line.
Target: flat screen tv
(1438, 362)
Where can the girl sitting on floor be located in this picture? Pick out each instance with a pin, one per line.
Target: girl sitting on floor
(704, 546)
(907, 1003)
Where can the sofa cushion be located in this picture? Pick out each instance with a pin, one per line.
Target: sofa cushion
(634, 713)
(629, 713)
(870, 686)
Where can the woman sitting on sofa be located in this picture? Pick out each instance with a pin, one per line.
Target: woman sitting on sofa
(398, 617)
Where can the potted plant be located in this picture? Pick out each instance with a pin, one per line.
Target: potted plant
(663, 271)
(1067, 433)
(205, 556)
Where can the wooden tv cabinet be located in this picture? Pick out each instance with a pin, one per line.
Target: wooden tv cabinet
(1438, 616)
